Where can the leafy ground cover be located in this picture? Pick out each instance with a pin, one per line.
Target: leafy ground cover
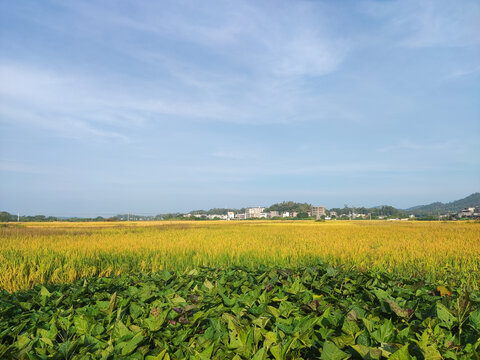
(316, 312)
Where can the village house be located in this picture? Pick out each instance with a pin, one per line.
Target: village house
(318, 211)
(253, 212)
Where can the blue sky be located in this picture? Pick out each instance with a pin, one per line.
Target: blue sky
(135, 106)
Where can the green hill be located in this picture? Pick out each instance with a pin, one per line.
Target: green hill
(454, 206)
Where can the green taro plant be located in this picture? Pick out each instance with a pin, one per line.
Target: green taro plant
(316, 312)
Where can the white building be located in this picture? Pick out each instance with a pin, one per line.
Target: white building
(230, 215)
(476, 213)
(467, 212)
(253, 212)
(217, 217)
(274, 214)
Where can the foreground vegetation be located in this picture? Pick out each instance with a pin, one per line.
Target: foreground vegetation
(38, 253)
(238, 313)
(223, 290)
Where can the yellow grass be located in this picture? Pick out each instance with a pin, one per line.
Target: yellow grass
(32, 253)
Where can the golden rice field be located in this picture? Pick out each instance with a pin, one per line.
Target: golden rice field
(33, 253)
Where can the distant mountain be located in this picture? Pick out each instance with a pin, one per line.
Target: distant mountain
(439, 207)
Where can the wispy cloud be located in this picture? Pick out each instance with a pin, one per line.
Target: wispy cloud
(241, 64)
(290, 39)
(281, 95)
(423, 146)
(460, 73)
(78, 105)
(290, 169)
(429, 23)
(20, 167)
(231, 155)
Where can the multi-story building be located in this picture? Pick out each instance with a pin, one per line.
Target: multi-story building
(476, 213)
(274, 214)
(230, 215)
(318, 211)
(217, 217)
(467, 212)
(253, 212)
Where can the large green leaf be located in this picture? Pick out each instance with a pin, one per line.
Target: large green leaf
(331, 352)
(155, 322)
(384, 333)
(132, 344)
(401, 354)
(81, 325)
(474, 319)
(240, 313)
(367, 352)
(445, 315)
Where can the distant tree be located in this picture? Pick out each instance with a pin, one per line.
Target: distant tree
(302, 215)
(5, 216)
(290, 206)
(337, 210)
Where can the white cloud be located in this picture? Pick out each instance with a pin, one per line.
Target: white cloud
(288, 39)
(424, 146)
(460, 73)
(248, 66)
(231, 155)
(15, 166)
(77, 105)
(291, 168)
(429, 23)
